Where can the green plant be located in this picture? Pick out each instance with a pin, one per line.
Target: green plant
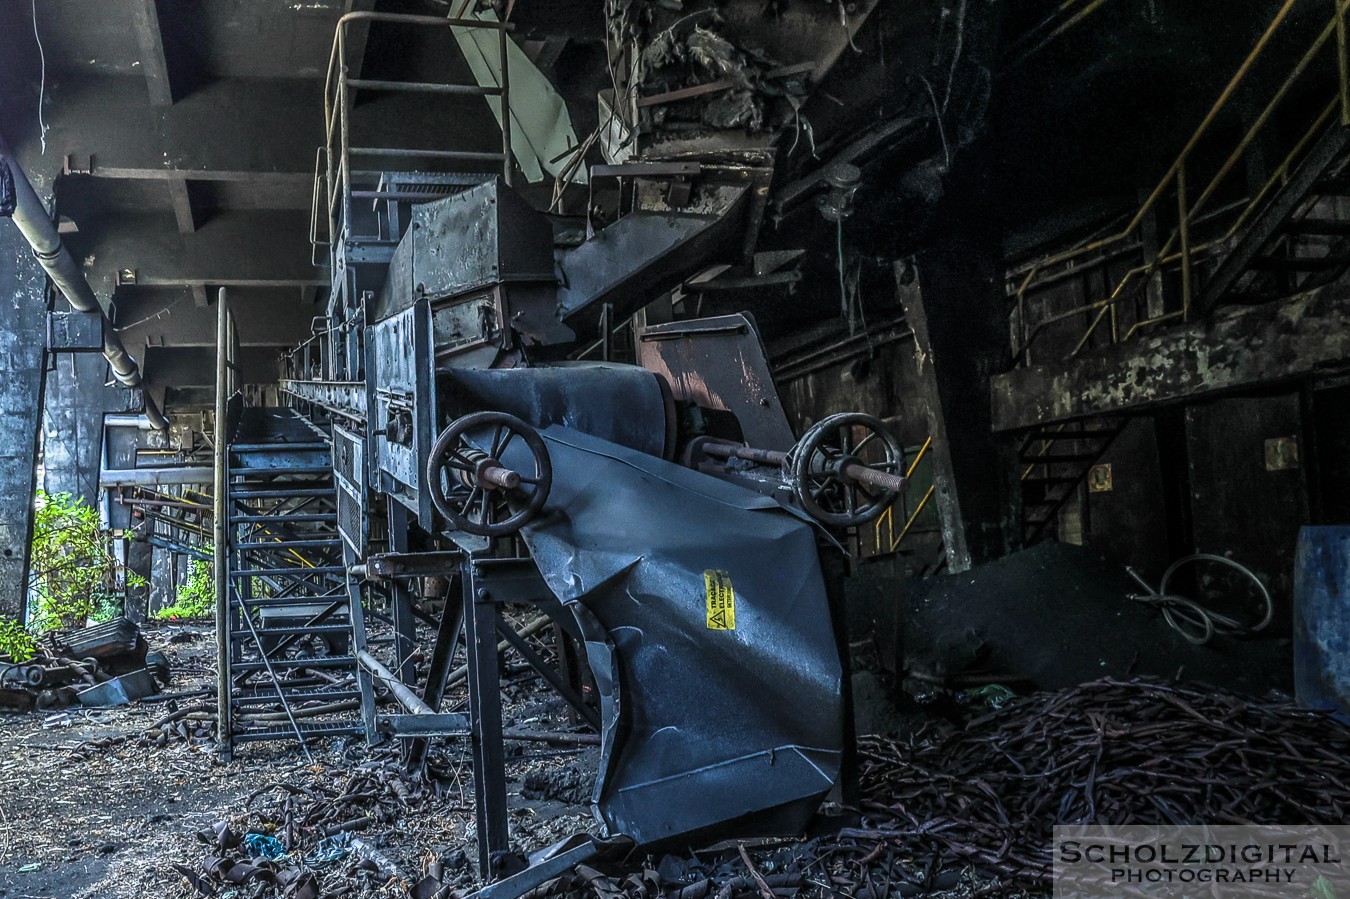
(16, 643)
(196, 595)
(74, 576)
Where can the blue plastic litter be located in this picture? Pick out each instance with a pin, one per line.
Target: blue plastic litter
(260, 845)
(329, 850)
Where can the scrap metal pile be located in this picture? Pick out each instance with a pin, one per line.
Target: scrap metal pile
(971, 809)
(98, 666)
(1106, 752)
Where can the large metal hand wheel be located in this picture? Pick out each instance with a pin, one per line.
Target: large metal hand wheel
(830, 478)
(474, 489)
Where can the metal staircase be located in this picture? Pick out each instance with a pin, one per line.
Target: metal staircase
(1202, 237)
(1054, 461)
(293, 630)
(1299, 240)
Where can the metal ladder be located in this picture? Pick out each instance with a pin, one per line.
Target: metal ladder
(293, 631)
(1053, 461)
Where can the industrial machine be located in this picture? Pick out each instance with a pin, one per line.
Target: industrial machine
(658, 512)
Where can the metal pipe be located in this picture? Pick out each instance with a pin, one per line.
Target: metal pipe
(852, 470)
(406, 697)
(141, 422)
(748, 453)
(157, 477)
(35, 224)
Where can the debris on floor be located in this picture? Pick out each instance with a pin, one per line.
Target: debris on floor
(131, 801)
(1142, 751)
(108, 664)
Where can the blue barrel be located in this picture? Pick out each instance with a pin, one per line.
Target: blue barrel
(1322, 618)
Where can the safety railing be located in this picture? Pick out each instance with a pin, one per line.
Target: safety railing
(337, 153)
(1181, 253)
(885, 539)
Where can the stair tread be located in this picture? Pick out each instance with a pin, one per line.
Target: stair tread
(279, 447)
(327, 729)
(258, 572)
(298, 631)
(324, 662)
(1300, 263)
(269, 696)
(1329, 226)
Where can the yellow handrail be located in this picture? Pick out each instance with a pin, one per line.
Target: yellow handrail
(888, 518)
(1175, 178)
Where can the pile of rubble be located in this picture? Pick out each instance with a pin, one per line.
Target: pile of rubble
(109, 664)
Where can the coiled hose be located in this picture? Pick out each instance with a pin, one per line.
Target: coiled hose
(1192, 620)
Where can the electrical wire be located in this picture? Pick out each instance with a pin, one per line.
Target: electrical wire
(1190, 619)
(42, 84)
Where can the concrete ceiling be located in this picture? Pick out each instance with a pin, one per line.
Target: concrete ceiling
(180, 150)
(182, 133)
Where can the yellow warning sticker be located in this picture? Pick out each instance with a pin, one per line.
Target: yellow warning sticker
(721, 600)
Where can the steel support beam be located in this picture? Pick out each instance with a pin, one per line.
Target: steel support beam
(157, 477)
(260, 129)
(1234, 349)
(145, 22)
(182, 205)
(237, 250)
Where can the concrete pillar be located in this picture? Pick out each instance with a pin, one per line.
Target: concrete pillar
(23, 338)
(953, 299)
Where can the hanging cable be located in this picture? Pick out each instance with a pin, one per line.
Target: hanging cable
(1192, 620)
(42, 83)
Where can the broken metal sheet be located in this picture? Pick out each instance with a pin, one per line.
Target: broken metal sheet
(541, 127)
(710, 637)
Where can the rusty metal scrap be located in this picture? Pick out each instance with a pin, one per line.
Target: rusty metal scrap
(968, 811)
(1106, 752)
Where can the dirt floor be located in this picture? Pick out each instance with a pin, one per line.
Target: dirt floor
(125, 803)
(91, 807)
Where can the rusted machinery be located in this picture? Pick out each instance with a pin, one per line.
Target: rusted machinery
(659, 513)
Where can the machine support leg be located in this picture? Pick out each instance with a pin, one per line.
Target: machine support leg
(438, 671)
(405, 625)
(485, 718)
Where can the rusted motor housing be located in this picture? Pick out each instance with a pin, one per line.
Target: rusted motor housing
(474, 489)
(830, 477)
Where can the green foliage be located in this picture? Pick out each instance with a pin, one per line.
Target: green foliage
(16, 643)
(74, 576)
(196, 595)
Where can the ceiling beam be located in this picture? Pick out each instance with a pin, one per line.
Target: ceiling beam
(235, 126)
(145, 21)
(182, 205)
(134, 250)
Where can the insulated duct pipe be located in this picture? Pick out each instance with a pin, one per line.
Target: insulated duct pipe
(34, 223)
